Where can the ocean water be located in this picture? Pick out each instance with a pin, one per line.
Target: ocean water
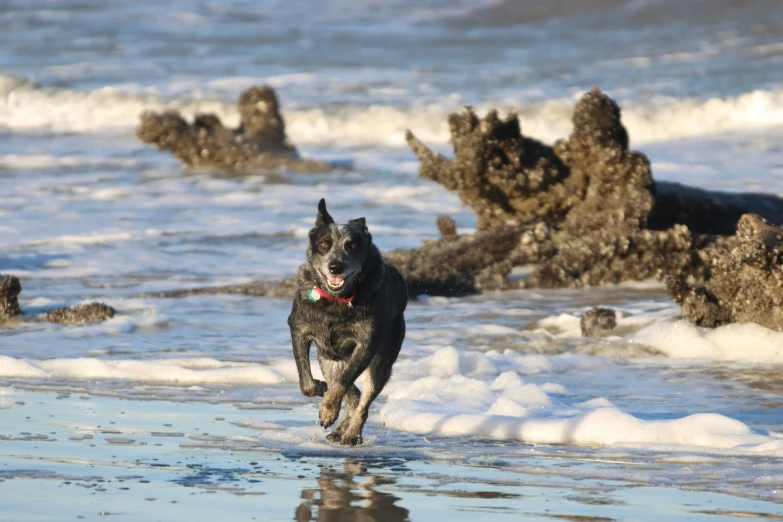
(497, 405)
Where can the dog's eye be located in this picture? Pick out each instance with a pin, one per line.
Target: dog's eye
(323, 245)
(350, 246)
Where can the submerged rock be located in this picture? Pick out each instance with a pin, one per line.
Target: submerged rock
(83, 313)
(260, 141)
(9, 290)
(598, 322)
(285, 288)
(745, 280)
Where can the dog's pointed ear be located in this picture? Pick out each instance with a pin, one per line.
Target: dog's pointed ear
(359, 223)
(323, 217)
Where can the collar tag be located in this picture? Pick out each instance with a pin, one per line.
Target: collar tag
(315, 294)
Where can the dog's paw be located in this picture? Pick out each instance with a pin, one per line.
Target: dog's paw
(351, 439)
(335, 436)
(328, 413)
(317, 388)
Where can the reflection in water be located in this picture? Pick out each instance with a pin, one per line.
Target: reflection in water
(339, 498)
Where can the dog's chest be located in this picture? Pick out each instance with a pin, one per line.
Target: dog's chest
(338, 339)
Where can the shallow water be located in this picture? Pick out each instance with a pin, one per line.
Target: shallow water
(496, 394)
(102, 457)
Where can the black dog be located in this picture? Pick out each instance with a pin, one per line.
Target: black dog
(351, 304)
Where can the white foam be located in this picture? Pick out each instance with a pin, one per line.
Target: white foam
(48, 161)
(27, 107)
(734, 342)
(451, 392)
(460, 406)
(187, 371)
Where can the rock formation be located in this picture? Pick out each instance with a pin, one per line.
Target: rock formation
(588, 181)
(260, 141)
(745, 280)
(608, 220)
(83, 313)
(583, 212)
(9, 290)
(9, 306)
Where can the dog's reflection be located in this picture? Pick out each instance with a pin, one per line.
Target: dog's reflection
(340, 498)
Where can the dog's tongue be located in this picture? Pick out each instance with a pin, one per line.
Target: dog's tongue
(335, 280)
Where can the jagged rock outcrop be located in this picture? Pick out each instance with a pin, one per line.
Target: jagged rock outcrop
(10, 287)
(583, 212)
(745, 283)
(83, 313)
(588, 181)
(260, 141)
(608, 220)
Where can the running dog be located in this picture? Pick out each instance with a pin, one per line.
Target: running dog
(350, 303)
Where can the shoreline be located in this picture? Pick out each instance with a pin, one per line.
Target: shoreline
(78, 455)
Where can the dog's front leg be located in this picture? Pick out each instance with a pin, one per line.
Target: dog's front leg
(333, 398)
(309, 386)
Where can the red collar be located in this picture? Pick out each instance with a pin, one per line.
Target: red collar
(320, 293)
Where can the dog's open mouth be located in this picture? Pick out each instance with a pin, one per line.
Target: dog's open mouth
(334, 282)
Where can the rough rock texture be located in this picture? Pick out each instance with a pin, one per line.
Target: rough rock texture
(259, 143)
(608, 257)
(607, 220)
(598, 322)
(83, 313)
(468, 264)
(9, 290)
(585, 211)
(588, 181)
(746, 280)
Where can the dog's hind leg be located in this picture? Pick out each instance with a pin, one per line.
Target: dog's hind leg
(351, 403)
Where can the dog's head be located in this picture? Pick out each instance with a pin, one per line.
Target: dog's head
(337, 253)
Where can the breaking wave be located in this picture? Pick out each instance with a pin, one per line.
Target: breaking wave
(30, 108)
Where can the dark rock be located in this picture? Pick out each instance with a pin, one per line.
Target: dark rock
(606, 257)
(466, 264)
(9, 290)
(503, 176)
(259, 143)
(607, 220)
(83, 313)
(709, 212)
(587, 181)
(585, 211)
(598, 322)
(745, 280)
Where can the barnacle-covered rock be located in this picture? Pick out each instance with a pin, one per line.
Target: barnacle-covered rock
(745, 282)
(260, 142)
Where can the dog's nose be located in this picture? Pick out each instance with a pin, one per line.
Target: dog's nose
(336, 267)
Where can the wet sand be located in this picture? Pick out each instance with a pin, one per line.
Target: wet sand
(66, 456)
